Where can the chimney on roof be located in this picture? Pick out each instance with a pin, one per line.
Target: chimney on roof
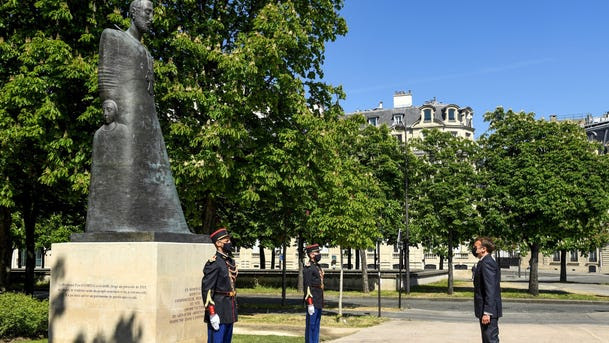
(380, 105)
(552, 117)
(402, 99)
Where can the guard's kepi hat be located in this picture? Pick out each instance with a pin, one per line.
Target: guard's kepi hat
(219, 234)
(311, 248)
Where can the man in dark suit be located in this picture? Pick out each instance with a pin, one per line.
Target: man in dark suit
(487, 292)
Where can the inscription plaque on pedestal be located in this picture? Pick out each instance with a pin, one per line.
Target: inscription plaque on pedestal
(127, 292)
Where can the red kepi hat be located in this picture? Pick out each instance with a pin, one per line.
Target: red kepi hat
(310, 248)
(219, 234)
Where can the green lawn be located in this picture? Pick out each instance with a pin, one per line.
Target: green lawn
(236, 339)
(461, 289)
(266, 339)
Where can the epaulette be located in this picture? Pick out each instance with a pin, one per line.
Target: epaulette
(213, 258)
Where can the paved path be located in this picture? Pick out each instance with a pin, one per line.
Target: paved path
(432, 331)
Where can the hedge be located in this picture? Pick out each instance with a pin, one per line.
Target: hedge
(22, 316)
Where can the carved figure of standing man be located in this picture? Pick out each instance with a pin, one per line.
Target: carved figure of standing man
(126, 76)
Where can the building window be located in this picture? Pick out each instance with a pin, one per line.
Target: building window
(573, 254)
(427, 114)
(454, 133)
(592, 257)
(398, 137)
(397, 119)
(451, 114)
(373, 121)
(556, 256)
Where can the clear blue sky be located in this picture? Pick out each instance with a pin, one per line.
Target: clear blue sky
(542, 56)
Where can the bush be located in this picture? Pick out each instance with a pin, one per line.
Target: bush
(22, 316)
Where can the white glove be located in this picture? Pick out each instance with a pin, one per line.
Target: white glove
(311, 309)
(215, 321)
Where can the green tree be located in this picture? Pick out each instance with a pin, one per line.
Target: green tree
(47, 110)
(239, 82)
(350, 197)
(543, 184)
(232, 79)
(443, 201)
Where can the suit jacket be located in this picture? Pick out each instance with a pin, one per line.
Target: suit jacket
(313, 283)
(218, 288)
(487, 292)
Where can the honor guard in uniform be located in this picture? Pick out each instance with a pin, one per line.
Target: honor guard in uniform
(313, 277)
(218, 290)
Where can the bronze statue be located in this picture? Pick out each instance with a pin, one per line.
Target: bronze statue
(132, 188)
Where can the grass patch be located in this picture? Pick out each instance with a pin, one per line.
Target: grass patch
(347, 321)
(267, 290)
(465, 289)
(461, 289)
(266, 339)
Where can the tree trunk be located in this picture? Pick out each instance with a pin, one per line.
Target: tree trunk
(450, 263)
(29, 220)
(533, 264)
(262, 257)
(357, 259)
(301, 258)
(209, 216)
(340, 285)
(498, 259)
(365, 289)
(563, 265)
(407, 262)
(441, 267)
(283, 280)
(349, 265)
(273, 258)
(6, 247)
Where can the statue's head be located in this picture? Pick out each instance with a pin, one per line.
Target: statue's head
(140, 12)
(110, 109)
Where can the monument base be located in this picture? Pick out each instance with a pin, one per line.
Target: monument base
(127, 292)
(139, 236)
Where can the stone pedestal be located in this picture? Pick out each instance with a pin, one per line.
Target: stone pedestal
(127, 292)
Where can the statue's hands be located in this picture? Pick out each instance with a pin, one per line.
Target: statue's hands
(214, 320)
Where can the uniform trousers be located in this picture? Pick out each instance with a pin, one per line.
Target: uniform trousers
(312, 326)
(223, 335)
(490, 331)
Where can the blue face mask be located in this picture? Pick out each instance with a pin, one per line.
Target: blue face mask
(317, 258)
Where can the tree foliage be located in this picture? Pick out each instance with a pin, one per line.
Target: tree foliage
(234, 81)
(443, 201)
(543, 183)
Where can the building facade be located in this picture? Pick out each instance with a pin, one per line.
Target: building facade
(408, 121)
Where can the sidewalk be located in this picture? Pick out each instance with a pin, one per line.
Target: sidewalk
(427, 331)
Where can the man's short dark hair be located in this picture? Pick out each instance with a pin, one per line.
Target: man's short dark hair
(487, 243)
